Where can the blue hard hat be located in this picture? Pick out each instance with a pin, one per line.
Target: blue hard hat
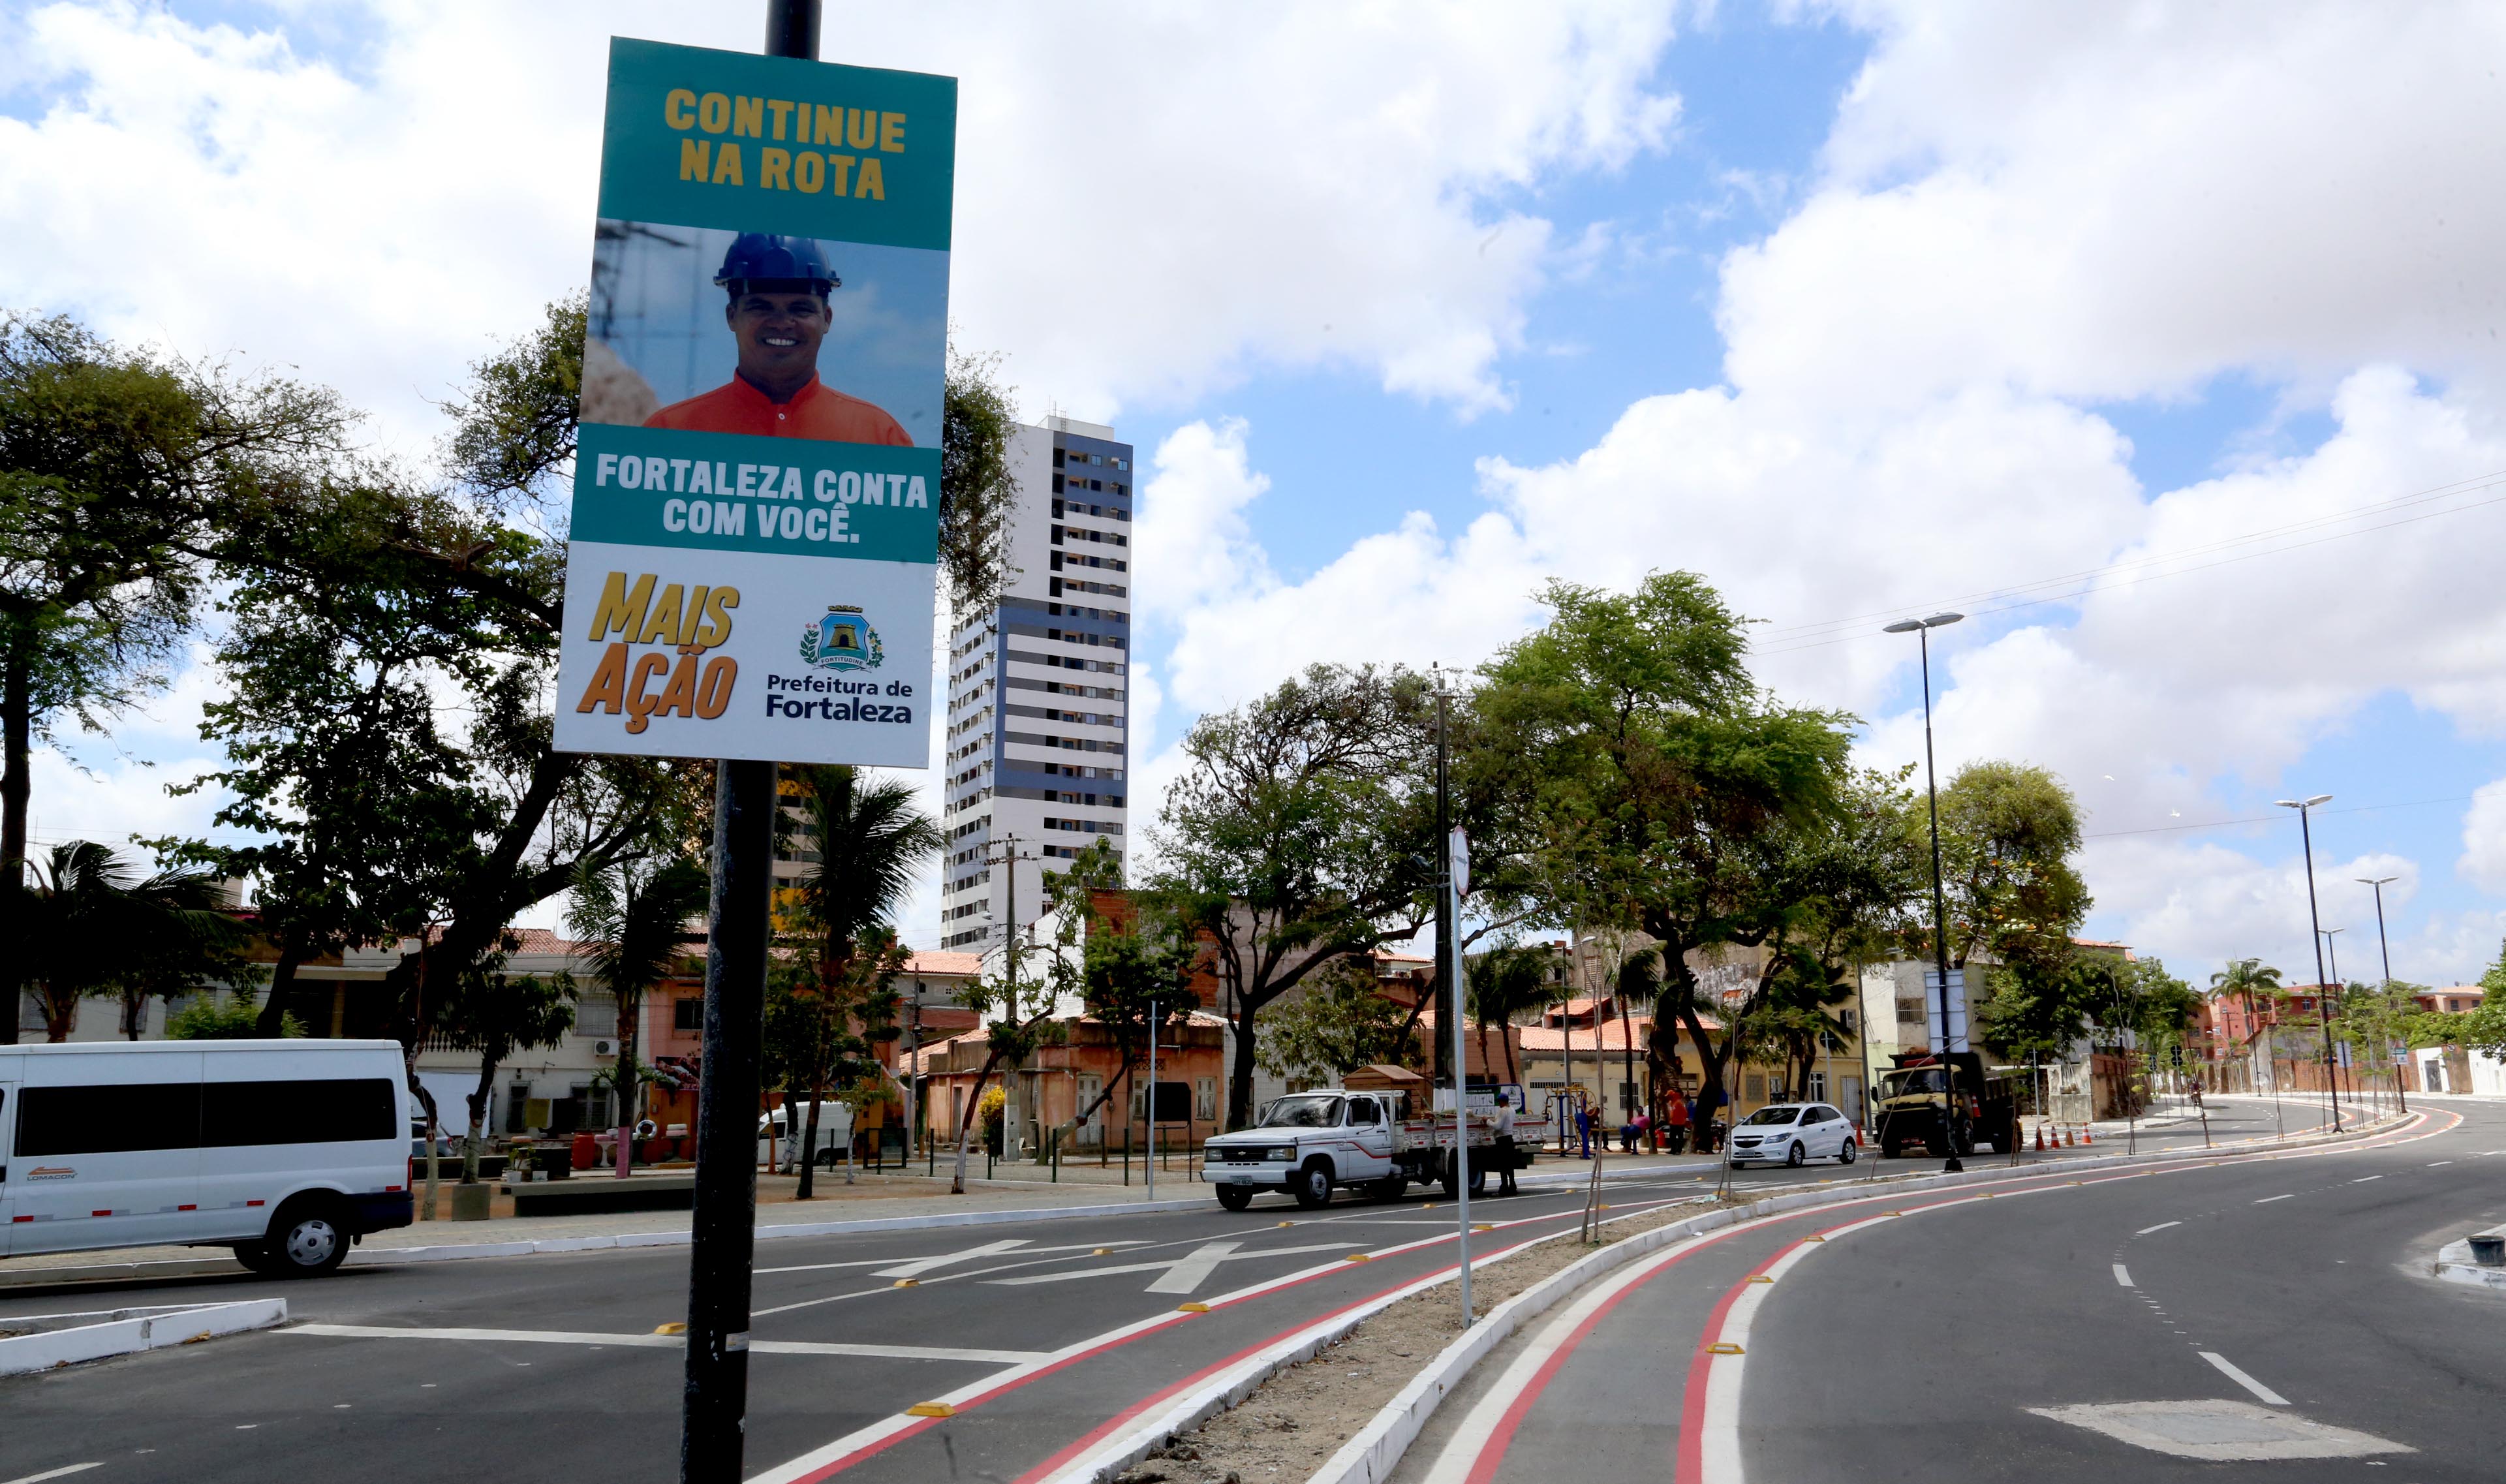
(767, 255)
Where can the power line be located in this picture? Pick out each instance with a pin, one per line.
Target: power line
(2082, 583)
(2220, 824)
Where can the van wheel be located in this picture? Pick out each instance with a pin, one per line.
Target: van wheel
(1235, 1197)
(305, 1241)
(1313, 1185)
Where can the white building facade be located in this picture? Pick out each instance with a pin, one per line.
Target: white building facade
(1037, 752)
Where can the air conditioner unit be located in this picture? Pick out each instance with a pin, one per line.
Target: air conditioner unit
(604, 1048)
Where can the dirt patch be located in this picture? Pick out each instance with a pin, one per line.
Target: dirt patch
(1297, 1419)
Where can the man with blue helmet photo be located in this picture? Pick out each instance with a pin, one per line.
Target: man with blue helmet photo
(779, 313)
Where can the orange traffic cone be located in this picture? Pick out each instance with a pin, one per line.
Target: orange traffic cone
(2088, 1138)
(2040, 1139)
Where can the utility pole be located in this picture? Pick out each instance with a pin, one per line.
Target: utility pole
(723, 1226)
(2314, 920)
(1150, 1106)
(1921, 629)
(1007, 860)
(1449, 963)
(2330, 1053)
(2401, 1095)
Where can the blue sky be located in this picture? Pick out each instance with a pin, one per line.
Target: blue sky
(1856, 308)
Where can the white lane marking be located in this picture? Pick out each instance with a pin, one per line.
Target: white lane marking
(821, 1267)
(668, 1342)
(2160, 1227)
(55, 1473)
(2261, 1391)
(2267, 1200)
(1718, 1451)
(1462, 1452)
(1193, 1268)
(2432, 1164)
(1197, 1264)
(921, 1265)
(2122, 1275)
(2364, 1179)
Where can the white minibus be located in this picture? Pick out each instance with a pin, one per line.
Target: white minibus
(288, 1152)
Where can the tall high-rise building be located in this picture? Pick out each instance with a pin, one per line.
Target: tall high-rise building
(1037, 756)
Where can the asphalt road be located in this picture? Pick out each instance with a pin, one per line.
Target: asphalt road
(1043, 1335)
(2157, 1324)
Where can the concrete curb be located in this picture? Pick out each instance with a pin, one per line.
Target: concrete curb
(1374, 1450)
(114, 1336)
(2454, 1263)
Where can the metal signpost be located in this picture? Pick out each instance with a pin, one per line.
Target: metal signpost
(754, 535)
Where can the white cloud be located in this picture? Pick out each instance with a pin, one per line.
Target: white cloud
(2019, 218)
(2484, 838)
(1151, 202)
(2121, 200)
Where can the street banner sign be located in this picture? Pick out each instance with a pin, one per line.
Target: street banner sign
(1955, 1039)
(755, 529)
(2341, 1049)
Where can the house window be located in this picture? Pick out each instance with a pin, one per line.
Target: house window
(688, 1014)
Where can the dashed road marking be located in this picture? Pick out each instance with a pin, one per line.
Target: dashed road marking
(2364, 1179)
(2160, 1227)
(2267, 1200)
(2122, 1275)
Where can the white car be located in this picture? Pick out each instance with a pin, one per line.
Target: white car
(1794, 1133)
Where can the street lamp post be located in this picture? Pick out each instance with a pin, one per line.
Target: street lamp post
(2386, 945)
(2314, 920)
(1921, 629)
(2332, 949)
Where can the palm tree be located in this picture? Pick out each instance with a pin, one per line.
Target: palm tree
(869, 841)
(1503, 982)
(2256, 983)
(91, 927)
(636, 917)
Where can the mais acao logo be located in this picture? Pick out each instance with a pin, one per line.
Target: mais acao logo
(681, 620)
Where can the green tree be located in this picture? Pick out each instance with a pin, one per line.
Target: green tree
(1502, 983)
(93, 924)
(496, 1016)
(213, 1018)
(1340, 1023)
(2484, 1027)
(473, 817)
(1297, 835)
(117, 469)
(635, 919)
(2255, 986)
(1134, 974)
(1668, 790)
(2008, 833)
(863, 840)
(1016, 1004)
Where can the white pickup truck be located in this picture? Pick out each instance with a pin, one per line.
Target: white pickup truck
(1307, 1143)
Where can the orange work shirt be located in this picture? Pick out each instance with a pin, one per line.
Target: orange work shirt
(816, 410)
